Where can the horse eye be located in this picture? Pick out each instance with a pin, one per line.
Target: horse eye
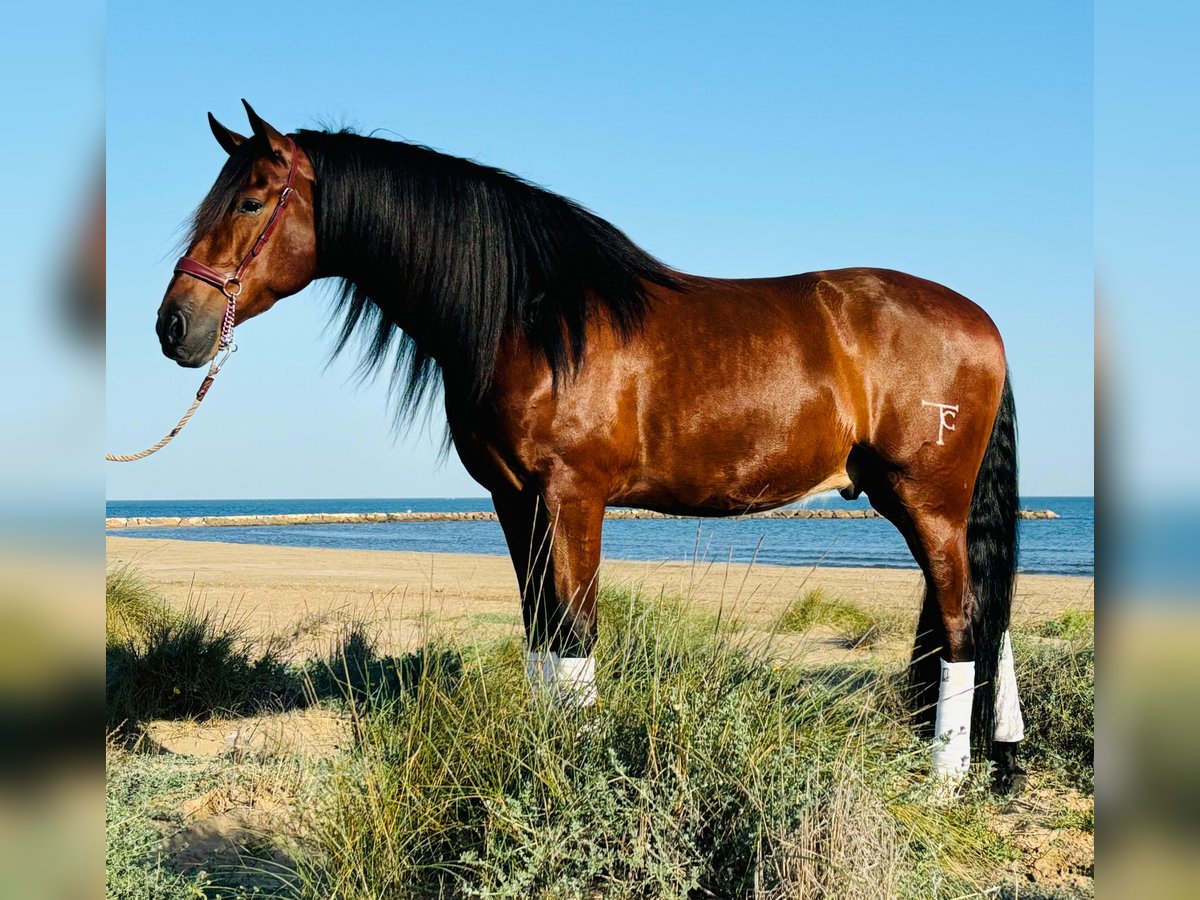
(250, 206)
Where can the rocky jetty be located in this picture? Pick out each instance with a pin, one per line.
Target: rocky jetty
(375, 517)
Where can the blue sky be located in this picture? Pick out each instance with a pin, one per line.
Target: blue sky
(945, 140)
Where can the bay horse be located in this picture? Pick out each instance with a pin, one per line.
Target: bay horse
(580, 372)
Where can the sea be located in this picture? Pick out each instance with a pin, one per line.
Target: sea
(1062, 546)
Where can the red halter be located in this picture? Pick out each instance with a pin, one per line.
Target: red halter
(231, 285)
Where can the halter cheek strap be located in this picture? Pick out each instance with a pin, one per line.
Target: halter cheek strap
(231, 284)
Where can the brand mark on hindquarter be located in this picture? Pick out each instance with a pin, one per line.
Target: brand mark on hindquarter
(948, 412)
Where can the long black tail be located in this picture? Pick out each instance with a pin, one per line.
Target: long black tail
(992, 553)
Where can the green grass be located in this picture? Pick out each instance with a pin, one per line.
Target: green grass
(1077, 626)
(497, 618)
(1058, 701)
(1076, 819)
(163, 663)
(151, 829)
(815, 607)
(704, 771)
(133, 608)
(190, 665)
(858, 627)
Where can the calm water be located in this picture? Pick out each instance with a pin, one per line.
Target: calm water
(1060, 546)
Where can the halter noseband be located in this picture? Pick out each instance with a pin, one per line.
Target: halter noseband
(231, 285)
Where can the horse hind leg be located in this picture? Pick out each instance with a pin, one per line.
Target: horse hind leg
(944, 652)
(889, 494)
(942, 670)
(962, 684)
(965, 542)
(1009, 776)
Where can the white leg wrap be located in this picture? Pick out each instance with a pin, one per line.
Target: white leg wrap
(952, 726)
(1010, 725)
(568, 680)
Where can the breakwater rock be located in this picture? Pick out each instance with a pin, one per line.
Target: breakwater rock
(376, 517)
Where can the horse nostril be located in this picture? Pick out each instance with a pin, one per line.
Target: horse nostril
(176, 327)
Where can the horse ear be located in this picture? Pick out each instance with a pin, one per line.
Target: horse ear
(263, 129)
(229, 140)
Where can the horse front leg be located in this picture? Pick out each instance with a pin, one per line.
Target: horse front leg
(553, 538)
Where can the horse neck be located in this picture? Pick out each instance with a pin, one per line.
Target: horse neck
(362, 267)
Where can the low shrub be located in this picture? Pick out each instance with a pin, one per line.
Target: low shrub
(133, 836)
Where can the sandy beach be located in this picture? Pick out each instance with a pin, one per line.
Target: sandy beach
(308, 594)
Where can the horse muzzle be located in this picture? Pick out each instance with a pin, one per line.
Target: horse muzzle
(187, 336)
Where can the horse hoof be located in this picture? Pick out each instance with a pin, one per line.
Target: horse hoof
(1008, 777)
(1011, 784)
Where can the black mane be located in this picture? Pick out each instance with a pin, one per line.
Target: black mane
(455, 254)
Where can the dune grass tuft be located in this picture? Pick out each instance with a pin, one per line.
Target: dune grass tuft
(703, 771)
(1058, 691)
(858, 627)
(1073, 625)
(193, 666)
(164, 663)
(706, 768)
(815, 607)
(133, 607)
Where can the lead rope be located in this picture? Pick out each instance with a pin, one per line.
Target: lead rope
(218, 363)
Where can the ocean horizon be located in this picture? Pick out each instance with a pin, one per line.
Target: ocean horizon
(1062, 546)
